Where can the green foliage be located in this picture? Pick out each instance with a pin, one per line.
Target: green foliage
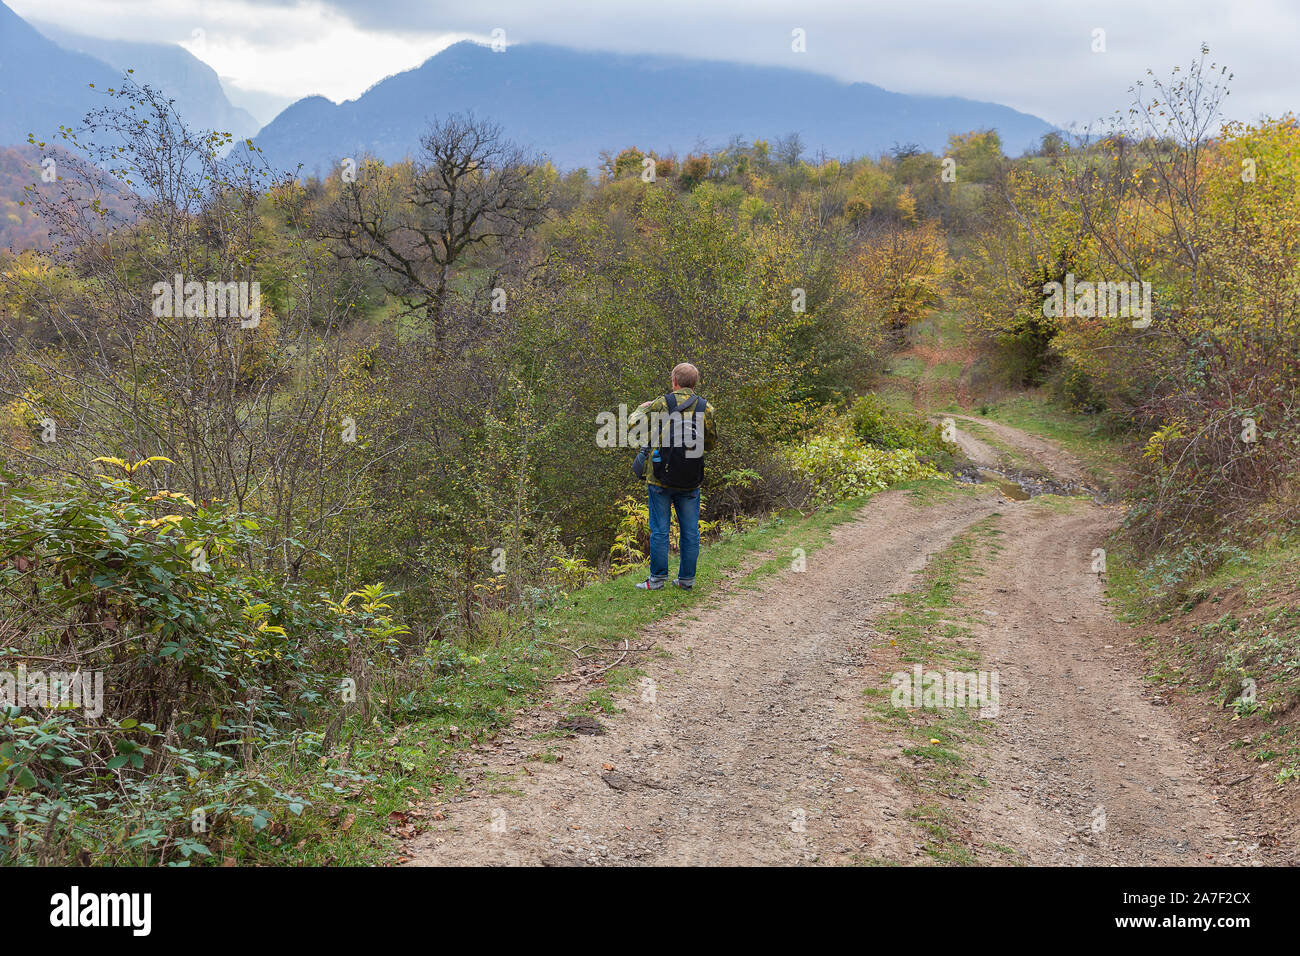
(840, 467)
(207, 668)
(977, 154)
(880, 425)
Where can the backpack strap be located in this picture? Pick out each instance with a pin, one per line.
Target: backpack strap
(697, 403)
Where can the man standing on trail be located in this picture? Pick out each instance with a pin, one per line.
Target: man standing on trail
(681, 430)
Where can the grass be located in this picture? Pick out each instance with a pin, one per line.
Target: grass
(1100, 452)
(1013, 456)
(395, 766)
(942, 843)
(1231, 635)
(934, 364)
(608, 611)
(928, 627)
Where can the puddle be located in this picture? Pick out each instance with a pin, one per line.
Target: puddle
(1019, 486)
(1011, 489)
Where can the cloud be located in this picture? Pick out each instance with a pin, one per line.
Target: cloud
(290, 49)
(1032, 56)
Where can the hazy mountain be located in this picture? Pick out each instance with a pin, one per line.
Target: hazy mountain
(200, 98)
(572, 104)
(43, 85)
(263, 106)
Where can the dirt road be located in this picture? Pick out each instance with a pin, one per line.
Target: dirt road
(750, 740)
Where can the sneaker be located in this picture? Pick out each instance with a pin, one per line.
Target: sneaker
(650, 584)
(679, 583)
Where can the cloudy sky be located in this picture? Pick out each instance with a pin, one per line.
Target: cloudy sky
(1035, 56)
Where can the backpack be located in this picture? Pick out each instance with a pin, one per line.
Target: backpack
(679, 458)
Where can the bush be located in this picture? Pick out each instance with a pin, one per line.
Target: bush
(203, 670)
(877, 424)
(1071, 386)
(841, 467)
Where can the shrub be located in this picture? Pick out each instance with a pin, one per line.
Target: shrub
(877, 424)
(206, 669)
(841, 467)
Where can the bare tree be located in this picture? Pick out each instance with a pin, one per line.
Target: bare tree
(469, 187)
(788, 149)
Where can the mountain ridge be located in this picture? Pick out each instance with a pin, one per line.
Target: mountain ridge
(572, 104)
(195, 86)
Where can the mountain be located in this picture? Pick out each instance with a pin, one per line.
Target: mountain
(572, 104)
(43, 85)
(46, 77)
(263, 106)
(200, 98)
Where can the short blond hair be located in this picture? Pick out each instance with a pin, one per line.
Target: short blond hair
(686, 375)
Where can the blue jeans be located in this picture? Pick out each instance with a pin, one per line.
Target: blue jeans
(687, 504)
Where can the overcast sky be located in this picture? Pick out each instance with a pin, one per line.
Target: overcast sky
(1037, 57)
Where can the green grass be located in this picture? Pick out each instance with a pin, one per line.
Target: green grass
(394, 766)
(1012, 456)
(947, 371)
(928, 626)
(941, 842)
(907, 367)
(1238, 623)
(898, 399)
(939, 379)
(928, 492)
(609, 611)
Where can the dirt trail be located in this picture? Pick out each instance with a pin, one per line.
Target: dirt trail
(752, 744)
(1049, 457)
(1085, 765)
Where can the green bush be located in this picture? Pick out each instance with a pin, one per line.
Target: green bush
(877, 424)
(840, 467)
(208, 673)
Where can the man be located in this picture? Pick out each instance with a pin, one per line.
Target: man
(681, 430)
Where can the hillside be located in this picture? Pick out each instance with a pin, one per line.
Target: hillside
(20, 170)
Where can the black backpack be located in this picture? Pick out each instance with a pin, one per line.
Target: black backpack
(679, 459)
